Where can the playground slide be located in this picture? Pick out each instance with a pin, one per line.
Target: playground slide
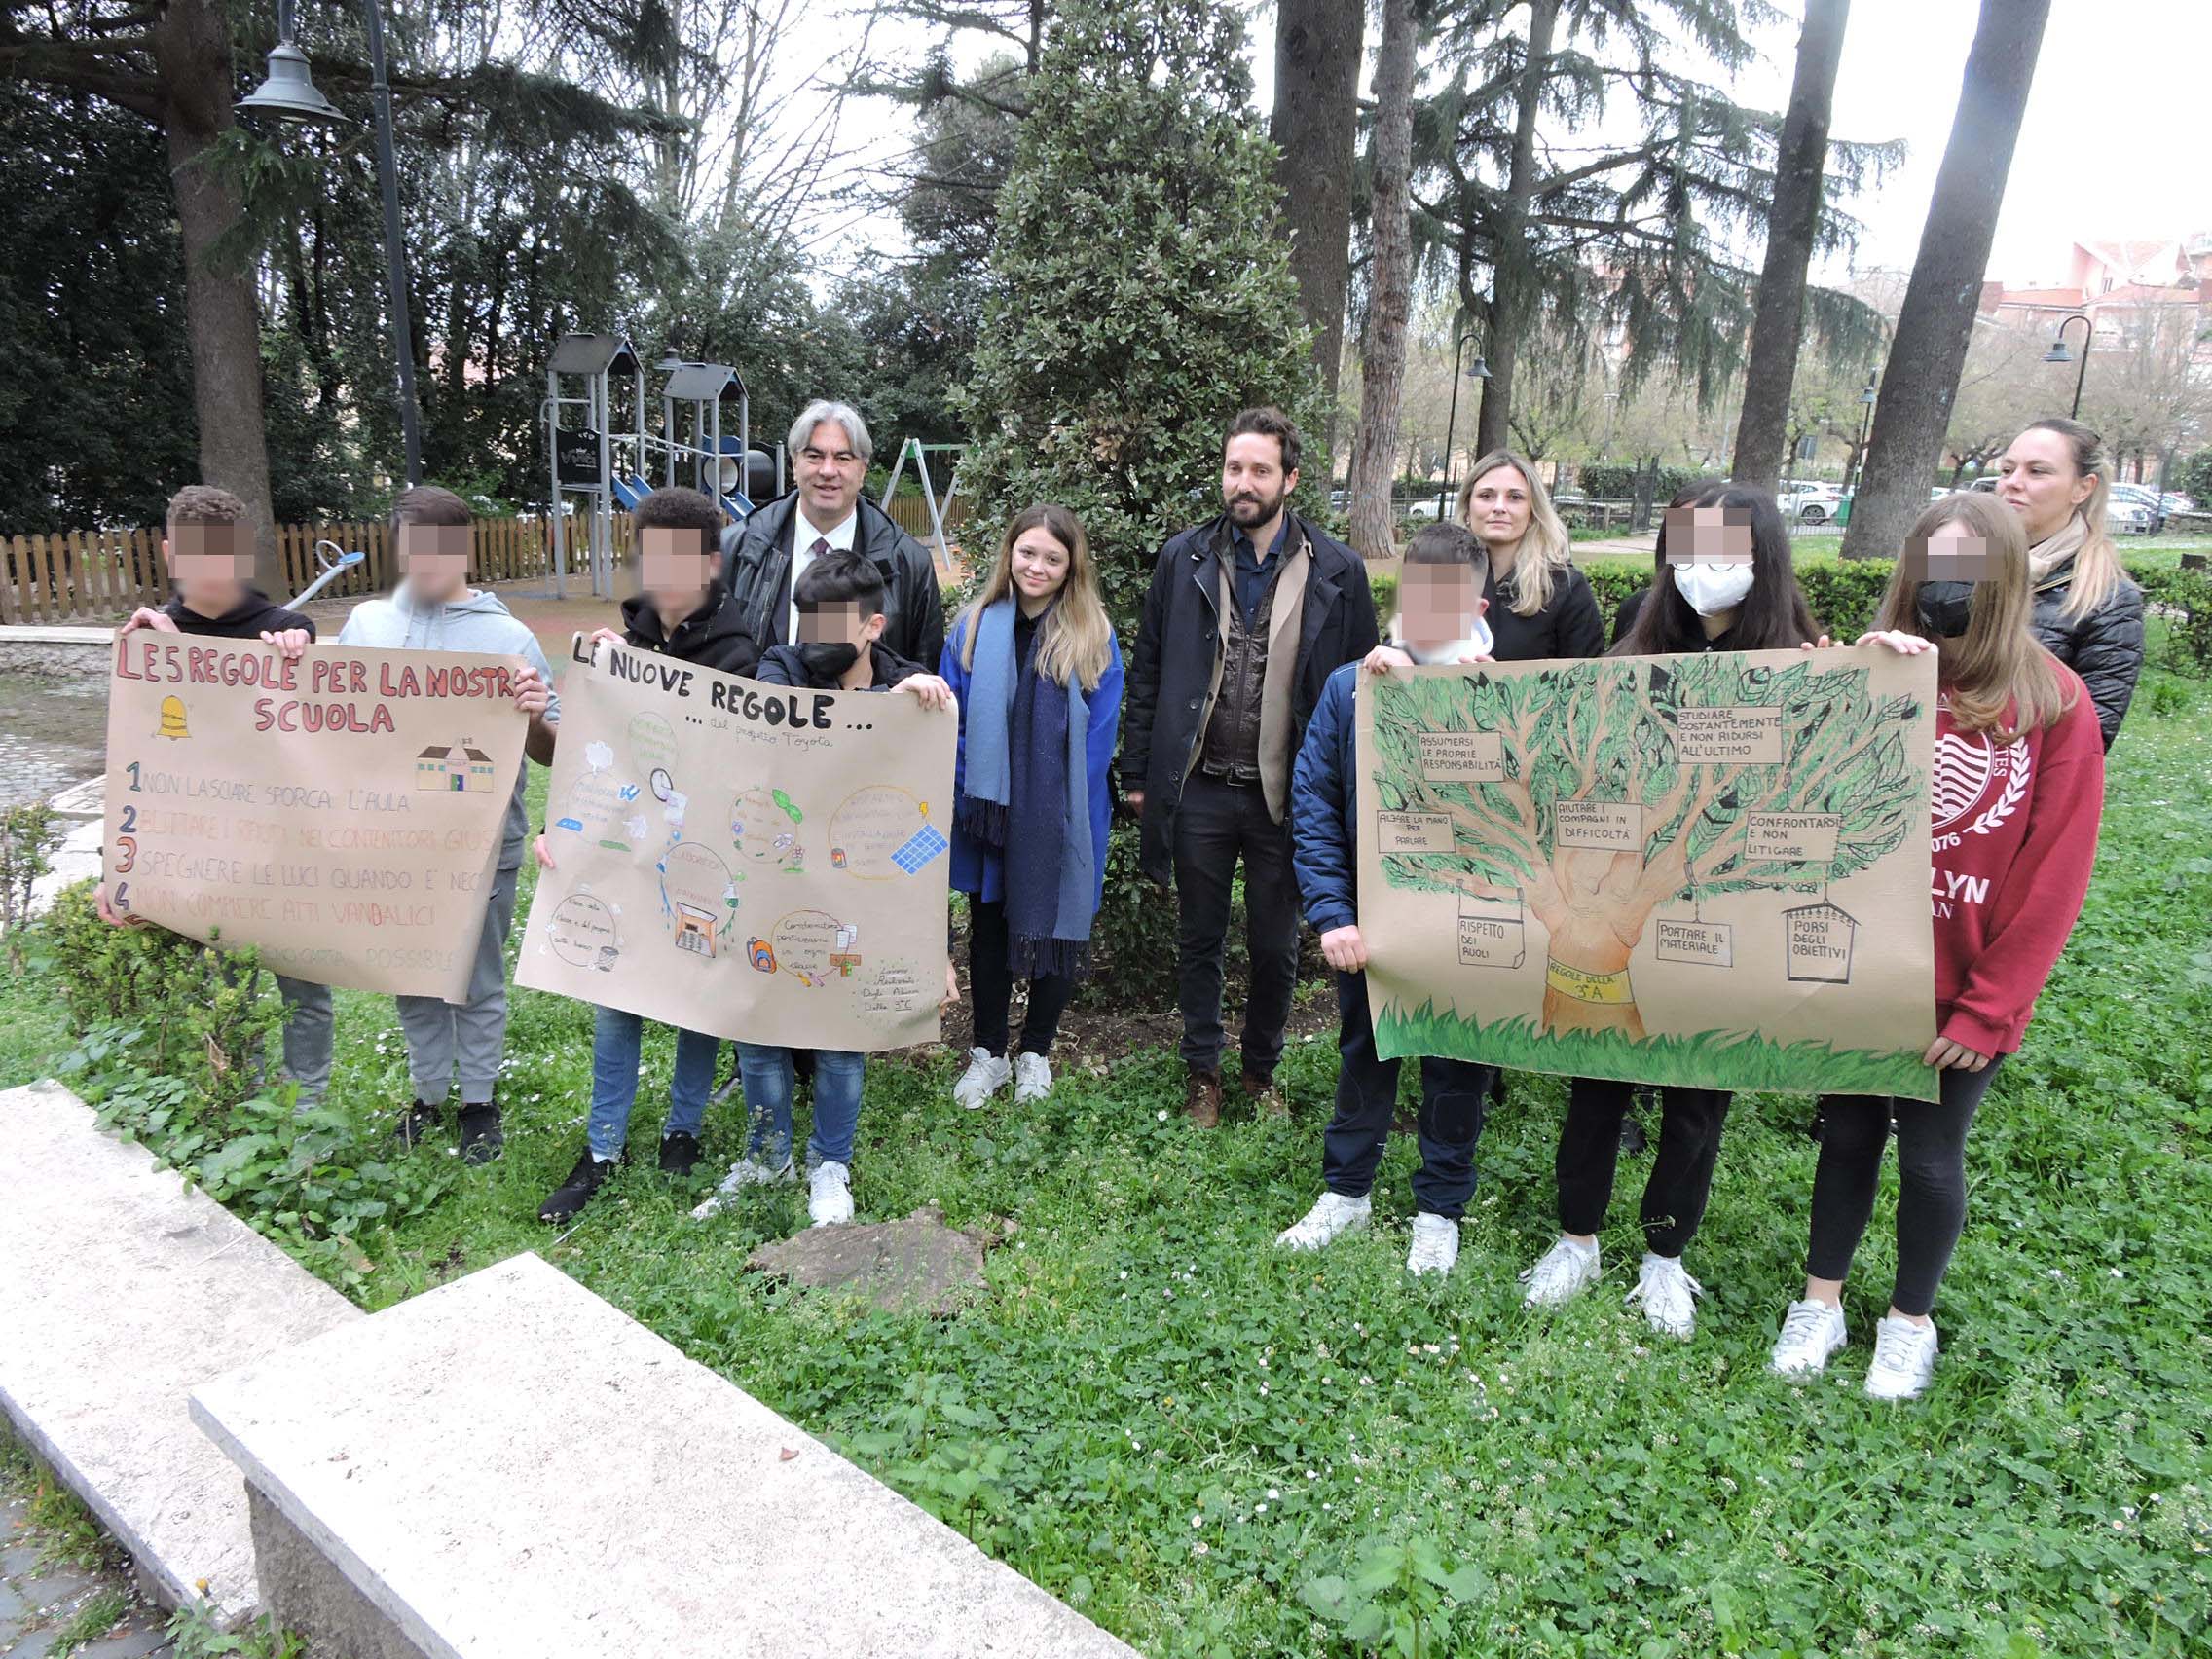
(629, 492)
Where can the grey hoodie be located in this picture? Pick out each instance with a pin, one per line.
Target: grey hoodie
(475, 622)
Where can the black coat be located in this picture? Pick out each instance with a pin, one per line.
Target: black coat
(756, 569)
(1178, 641)
(711, 636)
(251, 617)
(2104, 647)
(1632, 607)
(1569, 626)
(785, 665)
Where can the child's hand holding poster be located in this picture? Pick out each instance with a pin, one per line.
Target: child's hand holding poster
(341, 811)
(752, 861)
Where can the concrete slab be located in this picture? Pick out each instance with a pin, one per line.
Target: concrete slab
(508, 1466)
(78, 855)
(123, 1289)
(88, 800)
(27, 634)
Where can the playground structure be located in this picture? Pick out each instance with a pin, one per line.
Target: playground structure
(614, 469)
(940, 549)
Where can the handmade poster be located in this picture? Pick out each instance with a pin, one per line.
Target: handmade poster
(342, 812)
(746, 859)
(1706, 870)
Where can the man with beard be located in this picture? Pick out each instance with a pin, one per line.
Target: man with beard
(1248, 615)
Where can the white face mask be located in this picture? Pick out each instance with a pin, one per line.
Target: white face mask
(1477, 643)
(1711, 589)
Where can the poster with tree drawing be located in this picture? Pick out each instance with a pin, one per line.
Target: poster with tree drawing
(1705, 869)
(747, 860)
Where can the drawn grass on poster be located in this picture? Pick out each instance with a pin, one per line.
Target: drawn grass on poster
(1597, 819)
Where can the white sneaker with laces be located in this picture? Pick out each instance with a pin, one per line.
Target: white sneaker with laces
(1811, 1331)
(1905, 1359)
(1332, 1216)
(1435, 1245)
(1561, 1274)
(985, 1076)
(1032, 1079)
(1669, 1296)
(830, 1195)
(745, 1172)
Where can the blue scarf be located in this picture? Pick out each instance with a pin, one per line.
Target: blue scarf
(1026, 792)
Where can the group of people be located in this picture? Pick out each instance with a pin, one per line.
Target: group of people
(1227, 737)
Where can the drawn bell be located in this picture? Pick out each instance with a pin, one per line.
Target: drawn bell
(172, 718)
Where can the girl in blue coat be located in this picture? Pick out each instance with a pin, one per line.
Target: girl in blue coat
(1038, 673)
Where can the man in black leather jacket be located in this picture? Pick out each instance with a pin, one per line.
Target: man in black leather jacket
(830, 448)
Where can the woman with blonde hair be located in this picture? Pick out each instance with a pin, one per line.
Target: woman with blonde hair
(1540, 605)
(2058, 479)
(2018, 788)
(1035, 665)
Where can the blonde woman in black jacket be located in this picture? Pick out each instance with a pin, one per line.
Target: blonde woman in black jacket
(1540, 605)
(2088, 616)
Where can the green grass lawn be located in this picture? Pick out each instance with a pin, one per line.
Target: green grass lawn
(1176, 1428)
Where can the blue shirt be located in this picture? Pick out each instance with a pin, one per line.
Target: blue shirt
(1253, 578)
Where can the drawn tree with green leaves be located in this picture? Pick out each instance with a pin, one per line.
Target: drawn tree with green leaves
(1610, 731)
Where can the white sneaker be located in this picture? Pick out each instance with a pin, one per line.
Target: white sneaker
(1435, 1245)
(1904, 1358)
(1669, 1296)
(830, 1195)
(1561, 1274)
(745, 1172)
(985, 1076)
(1332, 1216)
(1811, 1331)
(1032, 1079)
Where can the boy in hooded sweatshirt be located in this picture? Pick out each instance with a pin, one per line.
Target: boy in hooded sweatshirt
(209, 549)
(434, 608)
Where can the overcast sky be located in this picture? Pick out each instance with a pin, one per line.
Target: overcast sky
(2115, 143)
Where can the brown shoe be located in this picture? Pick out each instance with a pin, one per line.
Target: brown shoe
(1266, 1099)
(1202, 1101)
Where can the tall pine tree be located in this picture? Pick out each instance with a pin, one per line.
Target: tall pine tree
(1143, 292)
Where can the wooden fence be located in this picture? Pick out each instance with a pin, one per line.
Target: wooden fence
(103, 576)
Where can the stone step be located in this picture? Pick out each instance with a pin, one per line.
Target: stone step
(508, 1467)
(122, 1289)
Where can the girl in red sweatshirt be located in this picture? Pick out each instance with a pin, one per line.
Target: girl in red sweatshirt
(2019, 786)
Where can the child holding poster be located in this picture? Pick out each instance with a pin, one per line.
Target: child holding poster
(1441, 621)
(434, 608)
(841, 598)
(209, 549)
(1038, 676)
(681, 612)
(1722, 580)
(2018, 790)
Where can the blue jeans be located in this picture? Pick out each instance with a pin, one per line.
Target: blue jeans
(766, 1071)
(616, 1041)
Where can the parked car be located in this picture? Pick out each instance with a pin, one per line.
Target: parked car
(2122, 517)
(2176, 504)
(1809, 503)
(2140, 495)
(1424, 507)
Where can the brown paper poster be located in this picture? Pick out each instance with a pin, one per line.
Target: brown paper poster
(1704, 869)
(746, 860)
(342, 812)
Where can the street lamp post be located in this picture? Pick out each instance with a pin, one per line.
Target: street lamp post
(290, 93)
(2058, 354)
(1857, 465)
(1480, 372)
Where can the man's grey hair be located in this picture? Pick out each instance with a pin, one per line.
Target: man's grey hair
(844, 415)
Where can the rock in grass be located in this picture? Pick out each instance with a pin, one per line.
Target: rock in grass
(915, 1266)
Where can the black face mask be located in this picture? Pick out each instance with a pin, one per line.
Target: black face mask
(1945, 609)
(827, 659)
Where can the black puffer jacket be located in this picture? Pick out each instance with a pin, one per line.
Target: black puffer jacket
(1569, 626)
(2104, 647)
(1178, 641)
(756, 569)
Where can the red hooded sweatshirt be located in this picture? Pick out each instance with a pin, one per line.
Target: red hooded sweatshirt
(2014, 836)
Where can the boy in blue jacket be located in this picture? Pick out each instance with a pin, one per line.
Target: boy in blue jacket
(1440, 592)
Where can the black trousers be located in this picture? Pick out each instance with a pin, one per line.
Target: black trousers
(1932, 1181)
(1453, 1095)
(991, 984)
(1682, 1172)
(1217, 823)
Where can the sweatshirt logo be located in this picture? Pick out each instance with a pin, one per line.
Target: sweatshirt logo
(1977, 784)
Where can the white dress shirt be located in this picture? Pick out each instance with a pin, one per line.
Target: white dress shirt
(804, 538)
